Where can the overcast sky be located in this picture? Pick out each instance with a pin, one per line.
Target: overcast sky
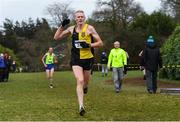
(23, 9)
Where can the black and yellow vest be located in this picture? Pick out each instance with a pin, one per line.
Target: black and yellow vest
(83, 53)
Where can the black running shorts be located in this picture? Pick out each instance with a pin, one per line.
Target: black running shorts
(86, 64)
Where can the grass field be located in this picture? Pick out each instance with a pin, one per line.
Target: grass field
(27, 97)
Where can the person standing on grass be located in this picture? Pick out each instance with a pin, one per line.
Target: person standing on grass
(151, 61)
(2, 67)
(49, 61)
(141, 68)
(104, 60)
(8, 63)
(84, 39)
(117, 60)
(125, 66)
(14, 66)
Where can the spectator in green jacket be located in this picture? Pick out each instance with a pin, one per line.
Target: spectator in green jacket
(117, 60)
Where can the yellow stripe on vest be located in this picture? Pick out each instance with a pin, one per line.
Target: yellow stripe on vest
(85, 53)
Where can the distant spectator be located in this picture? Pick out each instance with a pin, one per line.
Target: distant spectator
(2, 67)
(8, 63)
(125, 66)
(104, 61)
(143, 69)
(14, 66)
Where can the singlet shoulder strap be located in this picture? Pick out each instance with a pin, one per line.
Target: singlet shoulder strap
(53, 54)
(47, 54)
(85, 28)
(74, 30)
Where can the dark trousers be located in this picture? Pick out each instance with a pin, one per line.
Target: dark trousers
(151, 80)
(1, 74)
(6, 74)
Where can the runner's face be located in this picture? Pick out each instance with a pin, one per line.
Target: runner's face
(79, 18)
(50, 50)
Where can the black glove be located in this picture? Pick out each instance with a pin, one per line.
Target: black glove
(84, 44)
(65, 22)
(125, 69)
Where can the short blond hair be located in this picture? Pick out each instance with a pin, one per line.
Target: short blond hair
(79, 11)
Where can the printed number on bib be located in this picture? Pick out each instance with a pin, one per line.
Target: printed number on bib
(77, 43)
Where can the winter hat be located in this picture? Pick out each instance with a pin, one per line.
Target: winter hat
(150, 41)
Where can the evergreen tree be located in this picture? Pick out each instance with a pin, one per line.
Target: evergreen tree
(171, 56)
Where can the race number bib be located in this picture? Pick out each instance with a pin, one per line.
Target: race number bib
(77, 43)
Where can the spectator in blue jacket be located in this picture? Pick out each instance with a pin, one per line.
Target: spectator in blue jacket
(2, 67)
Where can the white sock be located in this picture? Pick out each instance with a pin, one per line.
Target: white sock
(81, 106)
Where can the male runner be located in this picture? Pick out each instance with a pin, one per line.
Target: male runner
(83, 36)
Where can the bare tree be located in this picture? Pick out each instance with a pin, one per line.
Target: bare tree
(118, 12)
(59, 11)
(171, 7)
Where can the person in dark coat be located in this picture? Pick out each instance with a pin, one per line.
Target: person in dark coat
(8, 62)
(14, 66)
(125, 66)
(104, 61)
(151, 61)
(2, 67)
